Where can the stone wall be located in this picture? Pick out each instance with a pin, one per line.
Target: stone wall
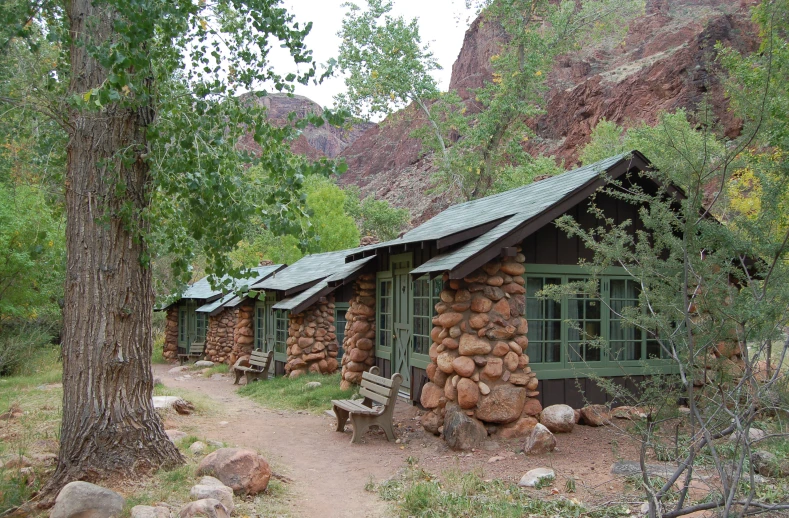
(359, 355)
(243, 331)
(312, 340)
(219, 338)
(478, 359)
(171, 334)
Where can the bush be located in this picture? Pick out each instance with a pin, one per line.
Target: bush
(20, 344)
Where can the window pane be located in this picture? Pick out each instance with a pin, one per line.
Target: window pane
(534, 350)
(553, 351)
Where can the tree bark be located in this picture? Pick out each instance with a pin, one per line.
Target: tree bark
(109, 428)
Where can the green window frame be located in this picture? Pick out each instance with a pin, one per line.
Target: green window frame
(260, 326)
(340, 309)
(182, 325)
(563, 335)
(280, 331)
(201, 326)
(384, 314)
(427, 294)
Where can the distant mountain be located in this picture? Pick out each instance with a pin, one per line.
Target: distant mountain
(666, 62)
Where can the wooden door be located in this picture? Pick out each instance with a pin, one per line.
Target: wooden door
(269, 324)
(187, 325)
(401, 266)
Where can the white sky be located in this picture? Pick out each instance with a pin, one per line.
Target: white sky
(442, 24)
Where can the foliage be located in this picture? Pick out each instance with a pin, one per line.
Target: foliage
(324, 226)
(537, 32)
(375, 217)
(457, 493)
(32, 259)
(513, 176)
(20, 344)
(712, 274)
(386, 64)
(292, 394)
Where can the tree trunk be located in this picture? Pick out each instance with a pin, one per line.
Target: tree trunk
(109, 427)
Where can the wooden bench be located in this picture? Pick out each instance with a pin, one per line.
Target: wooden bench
(255, 368)
(196, 351)
(365, 414)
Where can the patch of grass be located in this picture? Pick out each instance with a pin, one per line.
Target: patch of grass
(293, 394)
(158, 348)
(203, 403)
(419, 493)
(219, 368)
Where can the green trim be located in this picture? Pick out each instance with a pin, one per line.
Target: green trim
(382, 350)
(420, 361)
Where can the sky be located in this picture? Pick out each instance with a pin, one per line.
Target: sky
(442, 24)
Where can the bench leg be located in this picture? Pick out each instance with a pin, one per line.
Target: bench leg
(238, 377)
(249, 376)
(388, 429)
(342, 418)
(360, 425)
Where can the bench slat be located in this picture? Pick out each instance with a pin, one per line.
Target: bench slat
(376, 379)
(384, 400)
(378, 389)
(355, 407)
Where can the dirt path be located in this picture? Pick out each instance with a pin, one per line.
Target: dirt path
(329, 474)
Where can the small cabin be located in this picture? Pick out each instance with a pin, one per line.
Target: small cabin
(209, 316)
(455, 299)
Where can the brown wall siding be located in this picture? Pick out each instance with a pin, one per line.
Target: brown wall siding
(582, 391)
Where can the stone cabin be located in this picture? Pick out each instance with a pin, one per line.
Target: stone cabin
(203, 314)
(451, 304)
(298, 312)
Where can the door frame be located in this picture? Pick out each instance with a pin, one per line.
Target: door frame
(402, 321)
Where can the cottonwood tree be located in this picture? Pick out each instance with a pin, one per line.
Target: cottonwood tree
(151, 112)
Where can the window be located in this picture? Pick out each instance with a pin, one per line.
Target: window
(385, 327)
(624, 341)
(200, 326)
(427, 294)
(565, 335)
(260, 326)
(280, 330)
(545, 322)
(585, 312)
(182, 325)
(340, 309)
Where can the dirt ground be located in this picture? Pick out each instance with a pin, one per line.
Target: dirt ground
(329, 474)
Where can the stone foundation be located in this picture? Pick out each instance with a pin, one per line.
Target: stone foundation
(312, 340)
(219, 338)
(171, 334)
(359, 332)
(478, 359)
(243, 331)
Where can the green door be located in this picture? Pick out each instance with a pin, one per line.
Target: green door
(264, 325)
(401, 266)
(187, 325)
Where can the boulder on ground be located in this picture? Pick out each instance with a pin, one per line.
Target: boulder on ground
(204, 364)
(147, 511)
(198, 447)
(558, 418)
(767, 464)
(540, 441)
(83, 499)
(754, 434)
(183, 407)
(175, 435)
(207, 508)
(595, 415)
(165, 401)
(520, 428)
(535, 476)
(431, 422)
(216, 491)
(17, 462)
(243, 470)
(462, 432)
(178, 370)
(312, 385)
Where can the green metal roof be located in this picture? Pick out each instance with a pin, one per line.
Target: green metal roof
(202, 290)
(529, 199)
(301, 301)
(307, 270)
